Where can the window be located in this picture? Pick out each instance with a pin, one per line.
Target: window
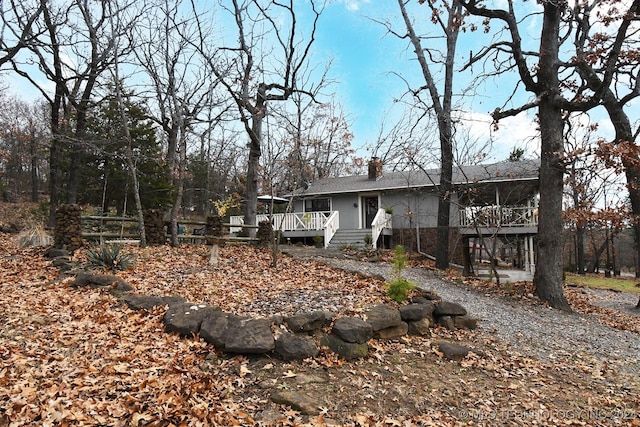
(317, 205)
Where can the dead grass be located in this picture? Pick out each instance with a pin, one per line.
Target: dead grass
(621, 284)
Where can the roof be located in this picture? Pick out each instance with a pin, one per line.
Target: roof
(506, 171)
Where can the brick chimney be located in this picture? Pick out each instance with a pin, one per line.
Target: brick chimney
(375, 169)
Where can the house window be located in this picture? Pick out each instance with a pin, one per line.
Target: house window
(317, 205)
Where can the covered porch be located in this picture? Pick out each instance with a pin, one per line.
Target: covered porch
(506, 213)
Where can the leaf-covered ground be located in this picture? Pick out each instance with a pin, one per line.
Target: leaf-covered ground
(80, 357)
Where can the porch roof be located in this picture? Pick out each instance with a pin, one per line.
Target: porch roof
(506, 171)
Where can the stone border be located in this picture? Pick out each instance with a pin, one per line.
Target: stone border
(295, 337)
(289, 338)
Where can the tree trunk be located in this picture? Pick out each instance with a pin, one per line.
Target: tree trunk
(580, 262)
(548, 276)
(177, 205)
(33, 154)
(442, 106)
(255, 151)
(444, 202)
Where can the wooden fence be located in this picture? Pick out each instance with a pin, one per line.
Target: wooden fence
(126, 228)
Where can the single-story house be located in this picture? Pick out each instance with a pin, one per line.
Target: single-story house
(385, 209)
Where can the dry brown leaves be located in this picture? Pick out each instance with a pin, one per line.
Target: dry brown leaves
(79, 357)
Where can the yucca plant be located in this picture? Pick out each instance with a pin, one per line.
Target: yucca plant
(109, 257)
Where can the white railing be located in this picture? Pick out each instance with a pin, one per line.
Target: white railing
(381, 221)
(498, 216)
(295, 221)
(331, 226)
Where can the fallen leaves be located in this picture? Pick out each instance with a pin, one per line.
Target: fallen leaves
(79, 357)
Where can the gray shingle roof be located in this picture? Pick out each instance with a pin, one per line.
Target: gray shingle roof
(496, 172)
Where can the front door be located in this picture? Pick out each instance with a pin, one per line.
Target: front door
(370, 204)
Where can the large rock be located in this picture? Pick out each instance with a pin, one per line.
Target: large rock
(291, 346)
(416, 311)
(346, 350)
(249, 336)
(307, 322)
(147, 302)
(465, 322)
(427, 294)
(53, 252)
(382, 317)
(352, 330)
(63, 263)
(393, 332)
(419, 327)
(297, 401)
(186, 318)
(447, 322)
(101, 281)
(453, 351)
(446, 308)
(215, 328)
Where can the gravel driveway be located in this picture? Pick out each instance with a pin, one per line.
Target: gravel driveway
(536, 330)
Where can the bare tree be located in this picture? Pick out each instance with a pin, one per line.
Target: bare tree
(606, 65)
(409, 141)
(554, 97)
(18, 29)
(72, 45)
(448, 16)
(127, 133)
(316, 142)
(179, 86)
(23, 138)
(266, 65)
(586, 182)
(545, 84)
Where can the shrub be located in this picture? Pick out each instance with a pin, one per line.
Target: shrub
(109, 257)
(398, 289)
(399, 260)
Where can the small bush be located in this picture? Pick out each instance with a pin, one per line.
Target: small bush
(109, 257)
(399, 260)
(399, 289)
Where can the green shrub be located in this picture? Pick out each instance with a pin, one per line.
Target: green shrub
(399, 260)
(398, 289)
(109, 257)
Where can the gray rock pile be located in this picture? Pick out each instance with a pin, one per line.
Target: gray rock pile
(300, 336)
(289, 338)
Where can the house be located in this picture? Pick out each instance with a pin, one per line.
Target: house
(497, 200)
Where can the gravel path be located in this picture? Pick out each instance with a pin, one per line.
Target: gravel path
(535, 330)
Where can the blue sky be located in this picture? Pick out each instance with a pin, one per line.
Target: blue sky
(364, 57)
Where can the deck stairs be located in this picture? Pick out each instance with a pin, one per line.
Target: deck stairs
(349, 238)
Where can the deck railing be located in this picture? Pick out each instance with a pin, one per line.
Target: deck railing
(381, 221)
(294, 221)
(331, 226)
(498, 216)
